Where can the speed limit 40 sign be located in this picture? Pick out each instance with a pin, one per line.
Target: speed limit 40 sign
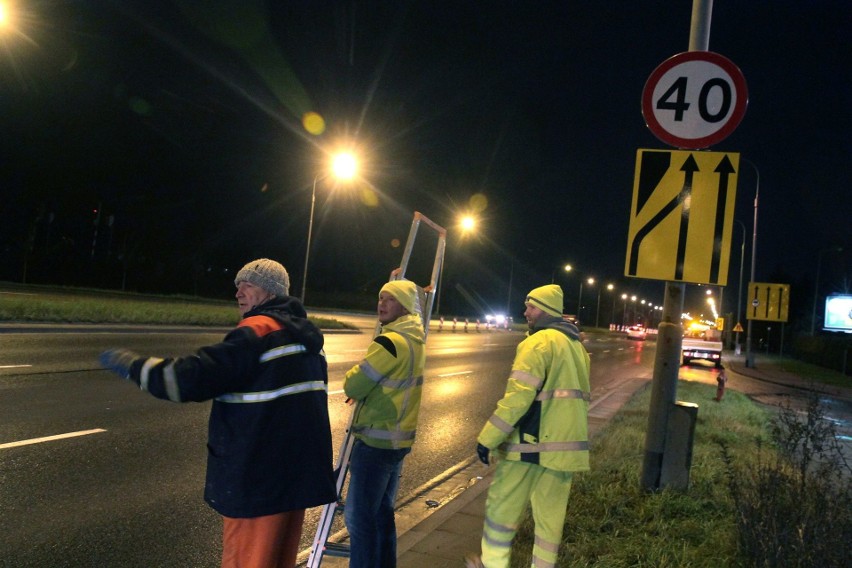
(694, 99)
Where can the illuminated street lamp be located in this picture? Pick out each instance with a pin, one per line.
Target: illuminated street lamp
(566, 268)
(611, 287)
(598, 312)
(590, 282)
(467, 224)
(344, 166)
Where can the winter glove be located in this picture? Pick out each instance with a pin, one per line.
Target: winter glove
(118, 361)
(482, 452)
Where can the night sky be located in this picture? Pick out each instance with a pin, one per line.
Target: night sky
(157, 146)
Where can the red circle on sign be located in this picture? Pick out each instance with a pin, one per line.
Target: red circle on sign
(689, 64)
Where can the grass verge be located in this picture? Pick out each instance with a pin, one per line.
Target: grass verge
(807, 370)
(35, 304)
(613, 523)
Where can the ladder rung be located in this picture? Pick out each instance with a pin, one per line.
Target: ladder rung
(336, 550)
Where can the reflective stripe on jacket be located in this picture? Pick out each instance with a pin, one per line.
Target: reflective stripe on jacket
(387, 387)
(269, 439)
(542, 417)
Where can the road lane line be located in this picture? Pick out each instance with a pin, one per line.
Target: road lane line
(601, 399)
(455, 374)
(13, 366)
(51, 438)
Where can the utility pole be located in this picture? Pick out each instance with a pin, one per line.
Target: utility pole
(670, 332)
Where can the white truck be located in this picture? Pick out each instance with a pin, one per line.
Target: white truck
(706, 346)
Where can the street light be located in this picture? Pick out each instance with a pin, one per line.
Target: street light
(344, 166)
(611, 287)
(598, 312)
(816, 284)
(467, 224)
(589, 281)
(740, 289)
(749, 361)
(566, 268)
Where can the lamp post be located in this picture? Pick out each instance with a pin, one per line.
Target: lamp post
(624, 310)
(598, 312)
(816, 284)
(749, 360)
(740, 288)
(566, 268)
(611, 288)
(590, 281)
(466, 224)
(344, 166)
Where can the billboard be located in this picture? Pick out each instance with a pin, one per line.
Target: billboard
(838, 313)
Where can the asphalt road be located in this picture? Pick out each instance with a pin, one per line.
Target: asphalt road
(127, 491)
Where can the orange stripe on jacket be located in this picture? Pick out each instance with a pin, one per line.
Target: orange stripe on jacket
(262, 325)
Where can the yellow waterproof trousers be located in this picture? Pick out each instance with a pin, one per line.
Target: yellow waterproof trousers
(515, 484)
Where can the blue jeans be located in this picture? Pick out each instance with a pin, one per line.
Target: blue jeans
(373, 483)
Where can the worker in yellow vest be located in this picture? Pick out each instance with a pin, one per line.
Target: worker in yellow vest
(538, 434)
(387, 384)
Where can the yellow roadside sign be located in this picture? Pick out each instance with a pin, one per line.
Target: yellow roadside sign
(768, 302)
(720, 324)
(682, 215)
(738, 327)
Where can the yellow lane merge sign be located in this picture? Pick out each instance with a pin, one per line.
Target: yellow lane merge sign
(768, 302)
(682, 216)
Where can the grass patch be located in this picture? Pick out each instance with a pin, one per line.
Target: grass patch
(49, 305)
(795, 507)
(806, 370)
(613, 523)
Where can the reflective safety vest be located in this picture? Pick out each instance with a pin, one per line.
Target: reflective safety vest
(543, 415)
(387, 385)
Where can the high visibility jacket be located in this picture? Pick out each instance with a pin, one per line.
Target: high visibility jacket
(543, 415)
(269, 438)
(387, 385)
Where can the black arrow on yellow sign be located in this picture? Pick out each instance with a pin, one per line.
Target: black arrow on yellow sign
(724, 169)
(654, 167)
(689, 167)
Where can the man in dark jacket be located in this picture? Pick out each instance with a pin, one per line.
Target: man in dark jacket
(269, 439)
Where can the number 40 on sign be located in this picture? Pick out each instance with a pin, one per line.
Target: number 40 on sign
(694, 100)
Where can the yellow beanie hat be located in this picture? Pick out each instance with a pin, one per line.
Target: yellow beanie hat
(546, 298)
(405, 292)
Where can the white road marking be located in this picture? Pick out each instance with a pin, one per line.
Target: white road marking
(456, 374)
(51, 438)
(601, 399)
(13, 366)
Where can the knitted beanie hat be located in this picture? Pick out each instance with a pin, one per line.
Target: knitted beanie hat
(266, 274)
(547, 298)
(405, 292)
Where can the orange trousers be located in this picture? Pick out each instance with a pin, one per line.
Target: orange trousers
(271, 541)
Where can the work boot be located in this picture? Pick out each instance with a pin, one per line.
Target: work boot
(472, 560)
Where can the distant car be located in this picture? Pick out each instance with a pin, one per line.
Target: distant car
(636, 332)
